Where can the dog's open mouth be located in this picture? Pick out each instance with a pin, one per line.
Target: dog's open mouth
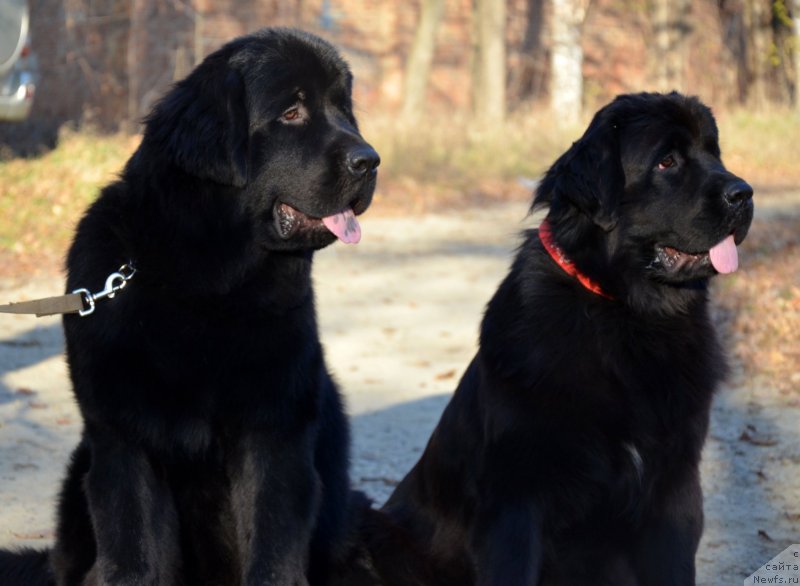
(723, 257)
(289, 221)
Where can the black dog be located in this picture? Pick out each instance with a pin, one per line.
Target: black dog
(215, 448)
(569, 453)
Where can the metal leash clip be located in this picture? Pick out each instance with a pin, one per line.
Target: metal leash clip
(114, 282)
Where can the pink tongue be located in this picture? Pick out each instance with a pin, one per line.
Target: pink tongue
(724, 256)
(344, 225)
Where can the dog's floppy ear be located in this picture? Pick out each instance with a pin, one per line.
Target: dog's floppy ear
(589, 176)
(202, 124)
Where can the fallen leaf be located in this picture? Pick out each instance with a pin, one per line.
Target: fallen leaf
(20, 466)
(41, 534)
(757, 438)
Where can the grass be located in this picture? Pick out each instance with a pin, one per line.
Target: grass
(450, 148)
(443, 162)
(42, 198)
(438, 162)
(763, 147)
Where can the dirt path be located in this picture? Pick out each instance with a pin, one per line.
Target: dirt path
(399, 316)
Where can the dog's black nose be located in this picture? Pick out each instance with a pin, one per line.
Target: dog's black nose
(737, 192)
(362, 160)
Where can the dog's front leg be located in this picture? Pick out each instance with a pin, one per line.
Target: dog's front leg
(507, 545)
(133, 515)
(666, 549)
(275, 497)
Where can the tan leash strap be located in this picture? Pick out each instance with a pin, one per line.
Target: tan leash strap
(80, 301)
(72, 303)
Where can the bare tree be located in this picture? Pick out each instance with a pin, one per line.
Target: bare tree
(528, 80)
(672, 32)
(418, 66)
(734, 74)
(763, 40)
(757, 17)
(796, 45)
(489, 60)
(566, 60)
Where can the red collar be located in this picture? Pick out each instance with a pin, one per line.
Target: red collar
(561, 259)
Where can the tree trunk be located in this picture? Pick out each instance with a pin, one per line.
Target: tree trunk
(759, 38)
(566, 61)
(418, 66)
(489, 64)
(735, 73)
(796, 45)
(528, 79)
(671, 34)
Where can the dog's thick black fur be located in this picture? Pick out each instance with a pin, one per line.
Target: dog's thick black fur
(569, 453)
(215, 448)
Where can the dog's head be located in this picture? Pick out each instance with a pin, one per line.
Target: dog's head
(644, 196)
(269, 118)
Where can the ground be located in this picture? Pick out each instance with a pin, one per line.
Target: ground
(399, 317)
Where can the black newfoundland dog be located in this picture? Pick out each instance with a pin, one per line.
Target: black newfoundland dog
(215, 449)
(569, 453)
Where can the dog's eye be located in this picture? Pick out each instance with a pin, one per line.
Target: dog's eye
(666, 163)
(293, 115)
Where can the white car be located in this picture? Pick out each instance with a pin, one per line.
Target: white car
(17, 62)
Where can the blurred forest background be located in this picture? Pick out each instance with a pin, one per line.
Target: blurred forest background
(464, 99)
(461, 96)
(104, 62)
(467, 101)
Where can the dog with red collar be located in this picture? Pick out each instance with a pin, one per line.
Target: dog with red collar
(569, 452)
